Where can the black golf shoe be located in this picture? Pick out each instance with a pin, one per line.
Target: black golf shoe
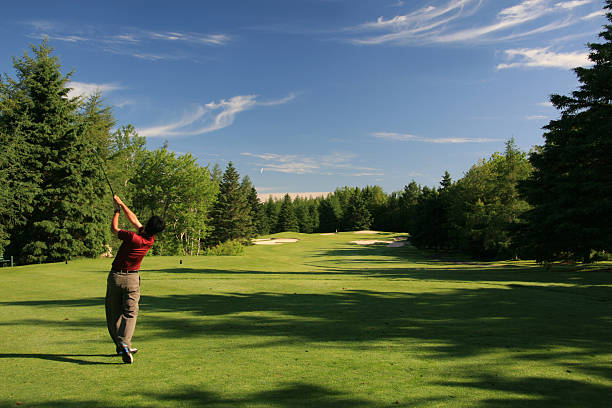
(126, 354)
(120, 350)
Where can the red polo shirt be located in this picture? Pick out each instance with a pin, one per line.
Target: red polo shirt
(132, 250)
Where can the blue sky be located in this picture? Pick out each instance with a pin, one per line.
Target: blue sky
(309, 95)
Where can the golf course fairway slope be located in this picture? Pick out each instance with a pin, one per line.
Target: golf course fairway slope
(313, 321)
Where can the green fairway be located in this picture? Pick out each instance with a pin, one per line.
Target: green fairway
(316, 323)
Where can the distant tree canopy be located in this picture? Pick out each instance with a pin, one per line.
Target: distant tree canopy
(231, 214)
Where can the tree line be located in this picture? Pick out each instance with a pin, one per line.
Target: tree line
(475, 214)
(553, 203)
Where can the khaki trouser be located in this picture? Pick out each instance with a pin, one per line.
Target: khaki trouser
(122, 296)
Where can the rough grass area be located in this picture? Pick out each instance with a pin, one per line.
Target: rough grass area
(316, 323)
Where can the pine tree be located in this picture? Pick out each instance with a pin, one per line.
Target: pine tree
(231, 217)
(287, 221)
(272, 209)
(357, 216)
(256, 211)
(571, 186)
(59, 187)
(330, 214)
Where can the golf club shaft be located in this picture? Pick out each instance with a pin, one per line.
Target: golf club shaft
(104, 172)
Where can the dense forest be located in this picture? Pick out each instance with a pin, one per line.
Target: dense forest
(553, 203)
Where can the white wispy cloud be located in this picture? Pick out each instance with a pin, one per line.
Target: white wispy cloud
(405, 137)
(196, 38)
(210, 117)
(332, 164)
(573, 3)
(535, 117)
(543, 57)
(86, 89)
(134, 42)
(446, 23)
(599, 13)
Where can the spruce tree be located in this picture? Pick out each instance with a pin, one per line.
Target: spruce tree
(59, 187)
(231, 217)
(570, 188)
(330, 214)
(287, 220)
(357, 216)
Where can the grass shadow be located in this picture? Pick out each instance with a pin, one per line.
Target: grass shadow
(62, 358)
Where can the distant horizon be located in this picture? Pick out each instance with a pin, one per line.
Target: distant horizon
(263, 197)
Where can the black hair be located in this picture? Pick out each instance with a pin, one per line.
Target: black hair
(155, 225)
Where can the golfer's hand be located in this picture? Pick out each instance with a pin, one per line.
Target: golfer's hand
(117, 203)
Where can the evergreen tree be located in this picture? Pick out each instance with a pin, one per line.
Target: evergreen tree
(570, 188)
(408, 201)
(330, 214)
(287, 221)
(258, 216)
(272, 209)
(376, 201)
(60, 184)
(357, 216)
(231, 214)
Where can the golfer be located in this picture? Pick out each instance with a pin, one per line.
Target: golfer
(123, 284)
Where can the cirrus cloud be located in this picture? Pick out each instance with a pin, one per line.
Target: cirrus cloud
(449, 22)
(85, 89)
(543, 57)
(330, 164)
(405, 137)
(210, 117)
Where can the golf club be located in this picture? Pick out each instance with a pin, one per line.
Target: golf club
(103, 171)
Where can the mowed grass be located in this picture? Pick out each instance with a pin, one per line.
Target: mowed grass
(317, 323)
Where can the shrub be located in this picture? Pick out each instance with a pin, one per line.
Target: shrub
(227, 248)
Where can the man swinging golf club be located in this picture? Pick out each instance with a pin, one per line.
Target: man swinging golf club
(123, 284)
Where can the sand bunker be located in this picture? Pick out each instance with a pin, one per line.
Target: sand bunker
(396, 243)
(370, 242)
(328, 233)
(367, 232)
(268, 241)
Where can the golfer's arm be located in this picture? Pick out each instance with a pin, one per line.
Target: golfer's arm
(115, 223)
(131, 217)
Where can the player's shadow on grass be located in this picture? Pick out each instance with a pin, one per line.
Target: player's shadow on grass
(63, 358)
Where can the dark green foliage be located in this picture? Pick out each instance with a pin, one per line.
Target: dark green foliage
(304, 215)
(330, 214)
(272, 209)
(357, 216)
(427, 226)
(257, 210)
(56, 191)
(571, 185)
(231, 214)
(430, 225)
(287, 221)
(486, 205)
(376, 203)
